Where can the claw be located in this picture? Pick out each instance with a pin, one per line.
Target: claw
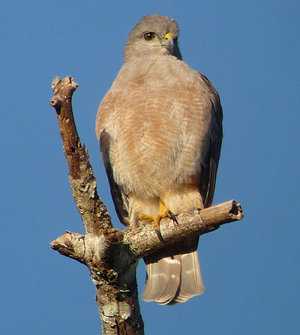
(173, 217)
(158, 233)
(164, 212)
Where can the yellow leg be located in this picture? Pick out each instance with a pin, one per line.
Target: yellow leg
(164, 212)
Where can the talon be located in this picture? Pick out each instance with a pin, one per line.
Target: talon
(158, 233)
(164, 212)
(173, 217)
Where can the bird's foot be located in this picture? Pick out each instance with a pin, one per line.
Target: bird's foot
(164, 212)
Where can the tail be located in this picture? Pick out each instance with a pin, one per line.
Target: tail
(173, 274)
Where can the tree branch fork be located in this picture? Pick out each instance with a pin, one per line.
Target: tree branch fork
(110, 254)
(142, 241)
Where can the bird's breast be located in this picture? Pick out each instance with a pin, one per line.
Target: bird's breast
(161, 119)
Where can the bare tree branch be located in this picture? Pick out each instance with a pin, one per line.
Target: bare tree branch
(144, 240)
(93, 212)
(112, 255)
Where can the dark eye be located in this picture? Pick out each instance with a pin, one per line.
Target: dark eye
(149, 36)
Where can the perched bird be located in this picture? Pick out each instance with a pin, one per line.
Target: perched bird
(160, 133)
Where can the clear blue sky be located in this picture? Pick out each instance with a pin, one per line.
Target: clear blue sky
(250, 51)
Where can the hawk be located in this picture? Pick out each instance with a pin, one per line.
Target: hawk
(160, 133)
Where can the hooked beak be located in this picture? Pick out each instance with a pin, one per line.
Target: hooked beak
(168, 42)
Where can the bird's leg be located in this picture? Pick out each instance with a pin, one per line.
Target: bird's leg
(164, 212)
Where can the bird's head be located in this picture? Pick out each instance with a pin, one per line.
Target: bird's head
(153, 35)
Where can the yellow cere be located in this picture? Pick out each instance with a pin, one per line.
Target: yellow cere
(168, 36)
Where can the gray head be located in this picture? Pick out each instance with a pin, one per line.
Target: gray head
(153, 35)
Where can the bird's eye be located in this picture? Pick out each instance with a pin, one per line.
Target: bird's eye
(149, 36)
